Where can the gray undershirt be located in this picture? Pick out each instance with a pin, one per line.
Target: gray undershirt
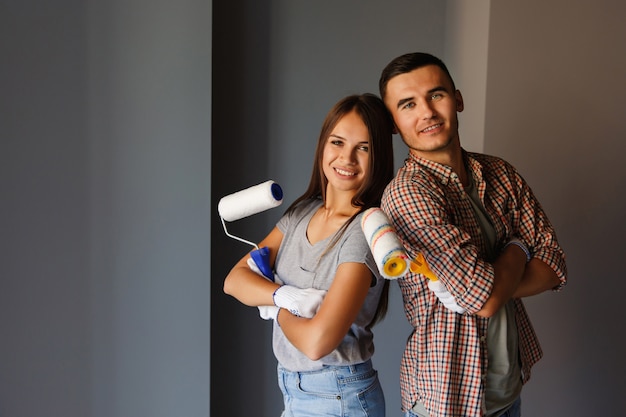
(504, 377)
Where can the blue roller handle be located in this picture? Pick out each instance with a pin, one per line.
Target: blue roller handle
(261, 258)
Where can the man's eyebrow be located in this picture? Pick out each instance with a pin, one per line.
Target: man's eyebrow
(403, 101)
(437, 89)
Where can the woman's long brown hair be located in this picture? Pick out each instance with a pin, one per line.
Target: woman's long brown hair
(377, 119)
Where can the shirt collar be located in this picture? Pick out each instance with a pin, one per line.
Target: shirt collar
(444, 173)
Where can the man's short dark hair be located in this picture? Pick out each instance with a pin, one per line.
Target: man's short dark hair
(407, 63)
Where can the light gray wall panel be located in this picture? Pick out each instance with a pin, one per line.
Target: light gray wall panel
(555, 109)
(105, 180)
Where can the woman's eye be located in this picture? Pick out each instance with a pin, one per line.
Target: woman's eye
(336, 142)
(364, 148)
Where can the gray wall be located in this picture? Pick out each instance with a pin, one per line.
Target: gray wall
(108, 174)
(555, 108)
(104, 225)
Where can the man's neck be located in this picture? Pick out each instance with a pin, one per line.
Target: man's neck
(451, 157)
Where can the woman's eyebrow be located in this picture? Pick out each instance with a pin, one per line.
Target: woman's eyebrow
(334, 135)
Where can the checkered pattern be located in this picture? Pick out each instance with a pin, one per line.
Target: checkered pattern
(445, 359)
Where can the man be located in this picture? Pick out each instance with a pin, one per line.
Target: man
(483, 234)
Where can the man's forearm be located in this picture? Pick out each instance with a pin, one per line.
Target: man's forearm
(538, 277)
(509, 271)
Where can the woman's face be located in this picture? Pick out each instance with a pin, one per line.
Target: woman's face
(345, 161)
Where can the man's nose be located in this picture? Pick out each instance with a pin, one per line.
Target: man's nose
(426, 110)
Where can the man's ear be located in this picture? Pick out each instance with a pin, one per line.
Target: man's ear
(459, 101)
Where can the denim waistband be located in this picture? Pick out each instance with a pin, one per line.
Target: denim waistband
(345, 370)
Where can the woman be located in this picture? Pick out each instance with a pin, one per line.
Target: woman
(318, 251)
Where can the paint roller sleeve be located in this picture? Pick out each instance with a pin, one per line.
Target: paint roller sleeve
(250, 201)
(389, 254)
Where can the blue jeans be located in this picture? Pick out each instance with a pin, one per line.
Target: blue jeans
(342, 391)
(515, 410)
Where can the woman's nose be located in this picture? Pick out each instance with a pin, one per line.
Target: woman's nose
(348, 155)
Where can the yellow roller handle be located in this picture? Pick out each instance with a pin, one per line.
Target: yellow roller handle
(395, 267)
(420, 266)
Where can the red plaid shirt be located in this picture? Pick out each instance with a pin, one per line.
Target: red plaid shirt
(445, 360)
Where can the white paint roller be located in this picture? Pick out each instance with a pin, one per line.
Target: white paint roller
(389, 254)
(246, 203)
(250, 201)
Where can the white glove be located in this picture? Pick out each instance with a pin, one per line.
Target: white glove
(444, 296)
(253, 266)
(266, 312)
(303, 302)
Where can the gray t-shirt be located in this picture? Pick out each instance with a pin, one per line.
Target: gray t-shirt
(504, 380)
(300, 264)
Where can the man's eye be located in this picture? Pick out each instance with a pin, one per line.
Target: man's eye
(409, 105)
(436, 96)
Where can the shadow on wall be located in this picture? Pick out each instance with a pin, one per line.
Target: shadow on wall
(243, 381)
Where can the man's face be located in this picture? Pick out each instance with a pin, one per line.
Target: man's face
(424, 107)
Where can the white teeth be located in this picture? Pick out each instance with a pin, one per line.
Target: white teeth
(342, 172)
(428, 129)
